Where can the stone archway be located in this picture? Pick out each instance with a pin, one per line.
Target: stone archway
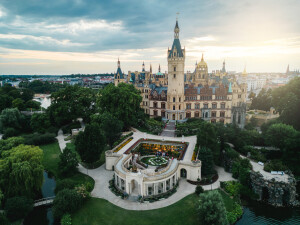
(183, 173)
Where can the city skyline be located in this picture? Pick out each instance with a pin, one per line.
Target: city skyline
(64, 37)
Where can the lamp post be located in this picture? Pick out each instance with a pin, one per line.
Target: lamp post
(211, 184)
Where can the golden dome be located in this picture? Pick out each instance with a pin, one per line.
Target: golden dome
(202, 63)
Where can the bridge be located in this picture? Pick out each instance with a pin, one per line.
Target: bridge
(43, 201)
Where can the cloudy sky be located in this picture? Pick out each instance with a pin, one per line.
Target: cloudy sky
(88, 36)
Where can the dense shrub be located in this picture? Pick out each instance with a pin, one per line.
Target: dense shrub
(235, 214)
(232, 187)
(65, 184)
(275, 165)
(39, 139)
(66, 220)
(199, 189)
(68, 128)
(18, 207)
(206, 157)
(66, 201)
(68, 162)
(3, 219)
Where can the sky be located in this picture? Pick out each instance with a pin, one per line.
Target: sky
(88, 36)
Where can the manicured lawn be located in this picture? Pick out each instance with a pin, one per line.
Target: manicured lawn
(50, 162)
(228, 202)
(99, 211)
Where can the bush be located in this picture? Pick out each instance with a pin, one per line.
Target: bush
(65, 184)
(66, 201)
(232, 187)
(275, 165)
(39, 139)
(68, 128)
(199, 189)
(236, 213)
(68, 162)
(10, 132)
(18, 207)
(66, 220)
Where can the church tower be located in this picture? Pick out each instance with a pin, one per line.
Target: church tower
(176, 58)
(119, 76)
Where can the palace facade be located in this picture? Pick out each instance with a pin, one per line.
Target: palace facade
(177, 96)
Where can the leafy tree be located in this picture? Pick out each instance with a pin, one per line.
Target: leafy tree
(32, 105)
(66, 201)
(211, 208)
(40, 122)
(68, 162)
(207, 137)
(18, 207)
(263, 101)
(71, 103)
(27, 94)
(21, 171)
(281, 136)
(10, 118)
(252, 95)
(3, 219)
(123, 102)
(18, 103)
(10, 143)
(111, 126)
(66, 220)
(90, 143)
(5, 101)
(206, 157)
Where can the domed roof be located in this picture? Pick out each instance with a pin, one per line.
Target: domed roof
(202, 63)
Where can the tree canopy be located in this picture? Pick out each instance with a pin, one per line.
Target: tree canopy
(21, 170)
(90, 143)
(123, 102)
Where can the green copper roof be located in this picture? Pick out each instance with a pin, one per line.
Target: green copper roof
(229, 88)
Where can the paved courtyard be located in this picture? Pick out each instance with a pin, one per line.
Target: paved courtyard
(102, 177)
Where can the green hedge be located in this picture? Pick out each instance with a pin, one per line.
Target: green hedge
(39, 139)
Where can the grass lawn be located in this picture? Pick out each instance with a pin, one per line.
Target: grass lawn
(99, 211)
(50, 162)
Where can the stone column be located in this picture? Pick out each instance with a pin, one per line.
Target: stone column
(171, 183)
(155, 189)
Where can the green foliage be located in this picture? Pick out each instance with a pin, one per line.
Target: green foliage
(68, 162)
(111, 126)
(123, 102)
(206, 157)
(122, 139)
(67, 129)
(10, 143)
(275, 165)
(263, 101)
(211, 209)
(34, 105)
(232, 188)
(241, 170)
(66, 219)
(18, 103)
(199, 189)
(90, 143)
(21, 170)
(65, 184)
(39, 139)
(255, 154)
(10, 132)
(18, 207)
(38, 86)
(66, 201)
(40, 122)
(10, 118)
(235, 214)
(3, 219)
(190, 127)
(281, 136)
(71, 103)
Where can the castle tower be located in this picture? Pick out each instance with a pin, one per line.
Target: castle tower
(201, 72)
(143, 67)
(119, 76)
(159, 68)
(223, 68)
(176, 59)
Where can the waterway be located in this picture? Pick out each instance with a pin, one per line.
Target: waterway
(43, 215)
(255, 213)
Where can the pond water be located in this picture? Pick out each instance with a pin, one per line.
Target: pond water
(256, 213)
(43, 215)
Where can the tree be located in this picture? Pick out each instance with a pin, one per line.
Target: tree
(90, 143)
(123, 102)
(71, 103)
(5, 101)
(18, 103)
(207, 137)
(68, 161)
(252, 95)
(281, 136)
(40, 122)
(31, 104)
(27, 94)
(206, 157)
(111, 126)
(263, 101)
(66, 201)
(211, 209)
(18, 207)
(199, 189)
(10, 118)
(21, 171)
(10, 143)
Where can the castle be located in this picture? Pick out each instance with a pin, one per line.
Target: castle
(177, 96)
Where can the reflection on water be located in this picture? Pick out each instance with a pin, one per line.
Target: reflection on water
(261, 214)
(43, 215)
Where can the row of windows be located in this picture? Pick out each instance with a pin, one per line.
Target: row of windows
(187, 98)
(205, 106)
(204, 115)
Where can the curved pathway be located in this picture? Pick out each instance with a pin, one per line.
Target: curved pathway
(102, 177)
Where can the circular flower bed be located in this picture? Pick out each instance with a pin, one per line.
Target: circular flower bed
(154, 160)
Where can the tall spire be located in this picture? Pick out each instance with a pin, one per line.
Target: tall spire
(202, 59)
(223, 68)
(288, 69)
(159, 68)
(118, 63)
(150, 68)
(143, 67)
(176, 29)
